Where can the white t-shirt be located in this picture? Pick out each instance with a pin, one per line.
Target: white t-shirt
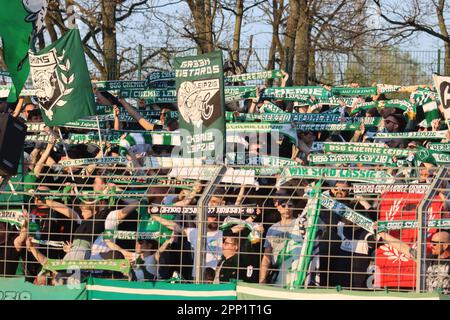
(99, 246)
(288, 239)
(213, 246)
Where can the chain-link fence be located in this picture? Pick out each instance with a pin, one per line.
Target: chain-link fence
(383, 66)
(213, 224)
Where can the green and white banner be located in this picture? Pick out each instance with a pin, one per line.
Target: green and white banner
(312, 217)
(381, 188)
(362, 149)
(12, 216)
(119, 265)
(347, 213)
(262, 165)
(61, 78)
(371, 176)
(425, 135)
(201, 105)
(105, 289)
(98, 161)
(370, 159)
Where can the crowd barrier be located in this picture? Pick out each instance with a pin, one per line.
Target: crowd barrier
(103, 289)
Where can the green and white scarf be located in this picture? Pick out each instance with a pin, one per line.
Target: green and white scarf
(294, 93)
(98, 161)
(328, 127)
(254, 236)
(440, 147)
(119, 265)
(347, 213)
(346, 91)
(285, 129)
(12, 216)
(369, 159)
(363, 149)
(331, 173)
(423, 135)
(262, 75)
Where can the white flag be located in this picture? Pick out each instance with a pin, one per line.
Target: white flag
(442, 85)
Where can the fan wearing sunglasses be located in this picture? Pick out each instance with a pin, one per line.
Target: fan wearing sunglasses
(283, 236)
(438, 266)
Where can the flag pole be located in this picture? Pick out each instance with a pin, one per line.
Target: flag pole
(99, 134)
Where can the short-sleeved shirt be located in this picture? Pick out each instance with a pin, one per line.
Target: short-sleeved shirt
(111, 223)
(281, 236)
(286, 242)
(213, 246)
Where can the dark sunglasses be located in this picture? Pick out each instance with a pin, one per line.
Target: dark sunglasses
(283, 203)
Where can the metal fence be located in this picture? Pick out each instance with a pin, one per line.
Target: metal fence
(384, 66)
(222, 228)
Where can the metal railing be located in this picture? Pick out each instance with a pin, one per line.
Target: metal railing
(342, 253)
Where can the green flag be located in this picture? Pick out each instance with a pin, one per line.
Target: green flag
(20, 20)
(61, 79)
(201, 105)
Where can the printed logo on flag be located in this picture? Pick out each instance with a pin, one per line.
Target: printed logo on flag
(51, 79)
(197, 101)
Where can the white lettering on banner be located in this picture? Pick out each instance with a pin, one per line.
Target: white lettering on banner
(380, 188)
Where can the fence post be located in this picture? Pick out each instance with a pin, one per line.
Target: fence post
(200, 250)
(140, 61)
(422, 223)
(439, 62)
